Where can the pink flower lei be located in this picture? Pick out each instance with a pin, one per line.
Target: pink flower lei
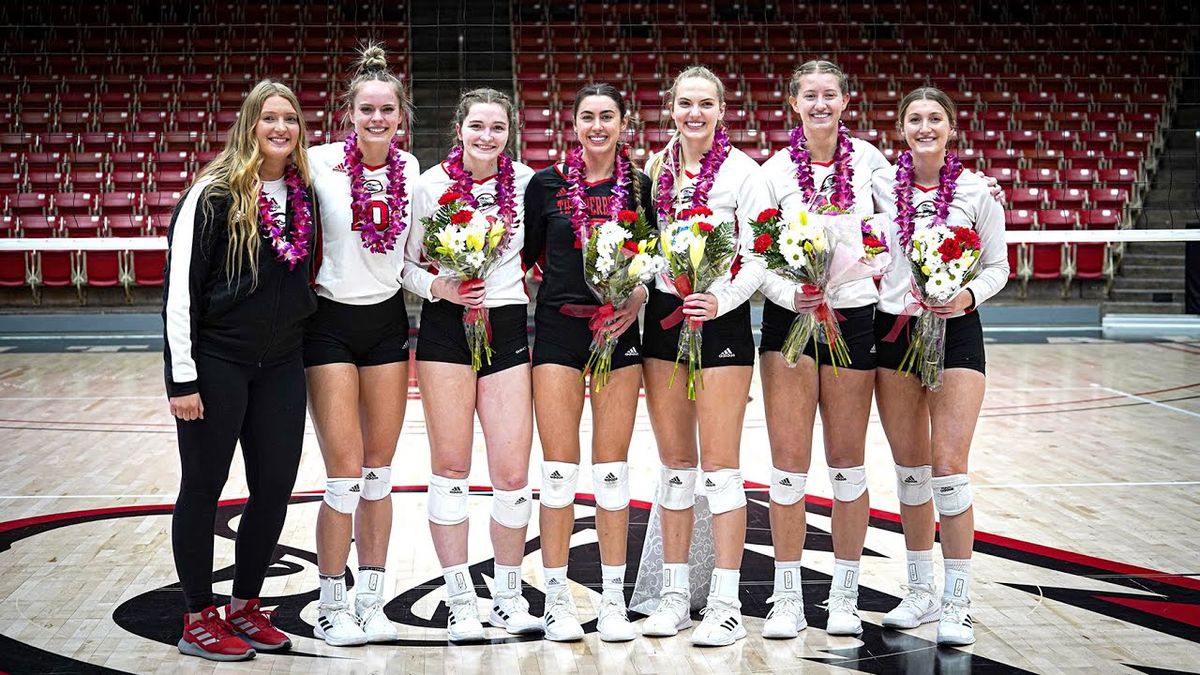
(709, 165)
(905, 211)
(505, 188)
(843, 173)
(296, 250)
(374, 239)
(576, 172)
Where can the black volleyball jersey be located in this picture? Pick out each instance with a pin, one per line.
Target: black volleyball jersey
(548, 230)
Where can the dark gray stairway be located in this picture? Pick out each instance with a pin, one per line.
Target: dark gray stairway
(1151, 276)
(455, 45)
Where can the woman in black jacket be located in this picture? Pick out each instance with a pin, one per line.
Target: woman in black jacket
(234, 303)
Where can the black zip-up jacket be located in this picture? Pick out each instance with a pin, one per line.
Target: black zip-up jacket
(207, 312)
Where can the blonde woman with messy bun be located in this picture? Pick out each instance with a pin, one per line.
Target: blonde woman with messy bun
(356, 346)
(234, 303)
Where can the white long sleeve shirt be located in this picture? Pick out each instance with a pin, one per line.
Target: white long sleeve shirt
(349, 273)
(780, 173)
(738, 195)
(505, 285)
(973, 206)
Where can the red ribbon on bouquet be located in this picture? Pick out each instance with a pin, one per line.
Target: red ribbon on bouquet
(474, 314)
(823, 312)
(597, 315)
(683, 287)
(909, 311)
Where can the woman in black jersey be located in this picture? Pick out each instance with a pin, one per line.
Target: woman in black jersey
(235, 300)
(599, 177)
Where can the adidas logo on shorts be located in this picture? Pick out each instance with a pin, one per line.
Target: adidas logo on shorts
(370, 476)
(727, 354)
(355, 488)
(520, 350)
(910, 480)
(405, 345)
(675, 481)
(709, 484)
(946, 488)
(839, 477)
(610, 478)
(520, 501)
(456, 490)
(786, 481)
(872, 349)
(632, 352)
(556, 475)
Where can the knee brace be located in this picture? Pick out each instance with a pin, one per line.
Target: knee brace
(512, 508)
(787, 488)
(912, 484)
(848, 483)
(610, 481)
(558, 484)
(342, 494)
(677, 489)
(377, 483)
(951, 494)
(724, 490)
(448, 500)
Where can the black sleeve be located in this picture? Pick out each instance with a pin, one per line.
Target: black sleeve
(535, 221)
(648, 201)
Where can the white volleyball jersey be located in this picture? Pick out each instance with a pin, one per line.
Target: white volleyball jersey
(505, 285)
(349, 272)
(973, 206)
(780, 172)
(738, 194)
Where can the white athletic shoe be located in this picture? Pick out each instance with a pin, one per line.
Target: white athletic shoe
(463, 624)
(375, 623)
(338, 626)
(613, 622)
(722, 625)
(786, 618)
(843, 615)
(955, 627)
(918, 606)
(512, 614)
(673, 615)
(560, 621)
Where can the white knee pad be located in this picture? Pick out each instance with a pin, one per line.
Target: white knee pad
(448, 500)
(724, 490)
(848, 483)
(342, 494)
(377, 483)
(951, 494)
(912, 484)
(558, 484)
(512, 508)
(787, 488)
(610, 481)
(677, 489)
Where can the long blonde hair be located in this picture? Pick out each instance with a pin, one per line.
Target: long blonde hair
(235, 172)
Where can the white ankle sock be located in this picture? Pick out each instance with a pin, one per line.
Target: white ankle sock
(845, 578)
(787, 577)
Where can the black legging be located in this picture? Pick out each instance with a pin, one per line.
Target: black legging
(263, 407)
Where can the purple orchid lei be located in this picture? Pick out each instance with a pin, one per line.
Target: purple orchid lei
(905, 211)
(374, 239)
(843, 173)
(710, 164)
(296, 250)
(462, 183)
(576, 172)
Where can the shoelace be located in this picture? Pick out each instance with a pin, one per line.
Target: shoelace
(368, 615)
(675, 602)
(518, 603)
(617, 607)
(561, 603)
(954, 612)
(785, 602)
(914, 597)
(841, 603)
(216, 626)
(717, 611)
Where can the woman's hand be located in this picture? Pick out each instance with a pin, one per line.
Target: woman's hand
(959, 303)
(994, 188)
(469, 293)
(807, 303)
(699, 307)
(627, 313)
(187, 408)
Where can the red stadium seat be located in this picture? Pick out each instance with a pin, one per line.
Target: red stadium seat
(1100, 219)
(1048, 261)
(1067, 198)
(1019, 219)
(1057, 219)
(1027, 198)
(28, 203)
(148, 267)
(1108, 198)
(75, 203)
(1039, 177)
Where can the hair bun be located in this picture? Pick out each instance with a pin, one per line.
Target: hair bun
(372, 59)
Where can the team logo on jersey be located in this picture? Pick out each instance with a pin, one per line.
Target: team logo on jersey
(828, 184)
(926, 209)
(485, 200)
(684, 196)
(1159, 602)
(373, 185)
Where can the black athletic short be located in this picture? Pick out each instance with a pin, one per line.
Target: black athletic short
(567, 341)
(365, 335)
(857, 325)
(725, 341)
(442, 338)
(964, 341)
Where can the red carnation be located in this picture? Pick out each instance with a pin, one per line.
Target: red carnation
(950, 250)
(768, 214)
(627, 216)
(966, 237)
(705, 227)
(701, 211)
(872, 242)
(448, 197)
(631, 245)
(461, 217)
(763, 241)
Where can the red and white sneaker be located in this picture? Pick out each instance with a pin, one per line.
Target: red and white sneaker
(253, 625)
(209, 637)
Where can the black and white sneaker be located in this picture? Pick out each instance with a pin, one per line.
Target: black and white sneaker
(722, 625)
(956, 627)
(512, 614)
(560, 621)
(463, 625)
